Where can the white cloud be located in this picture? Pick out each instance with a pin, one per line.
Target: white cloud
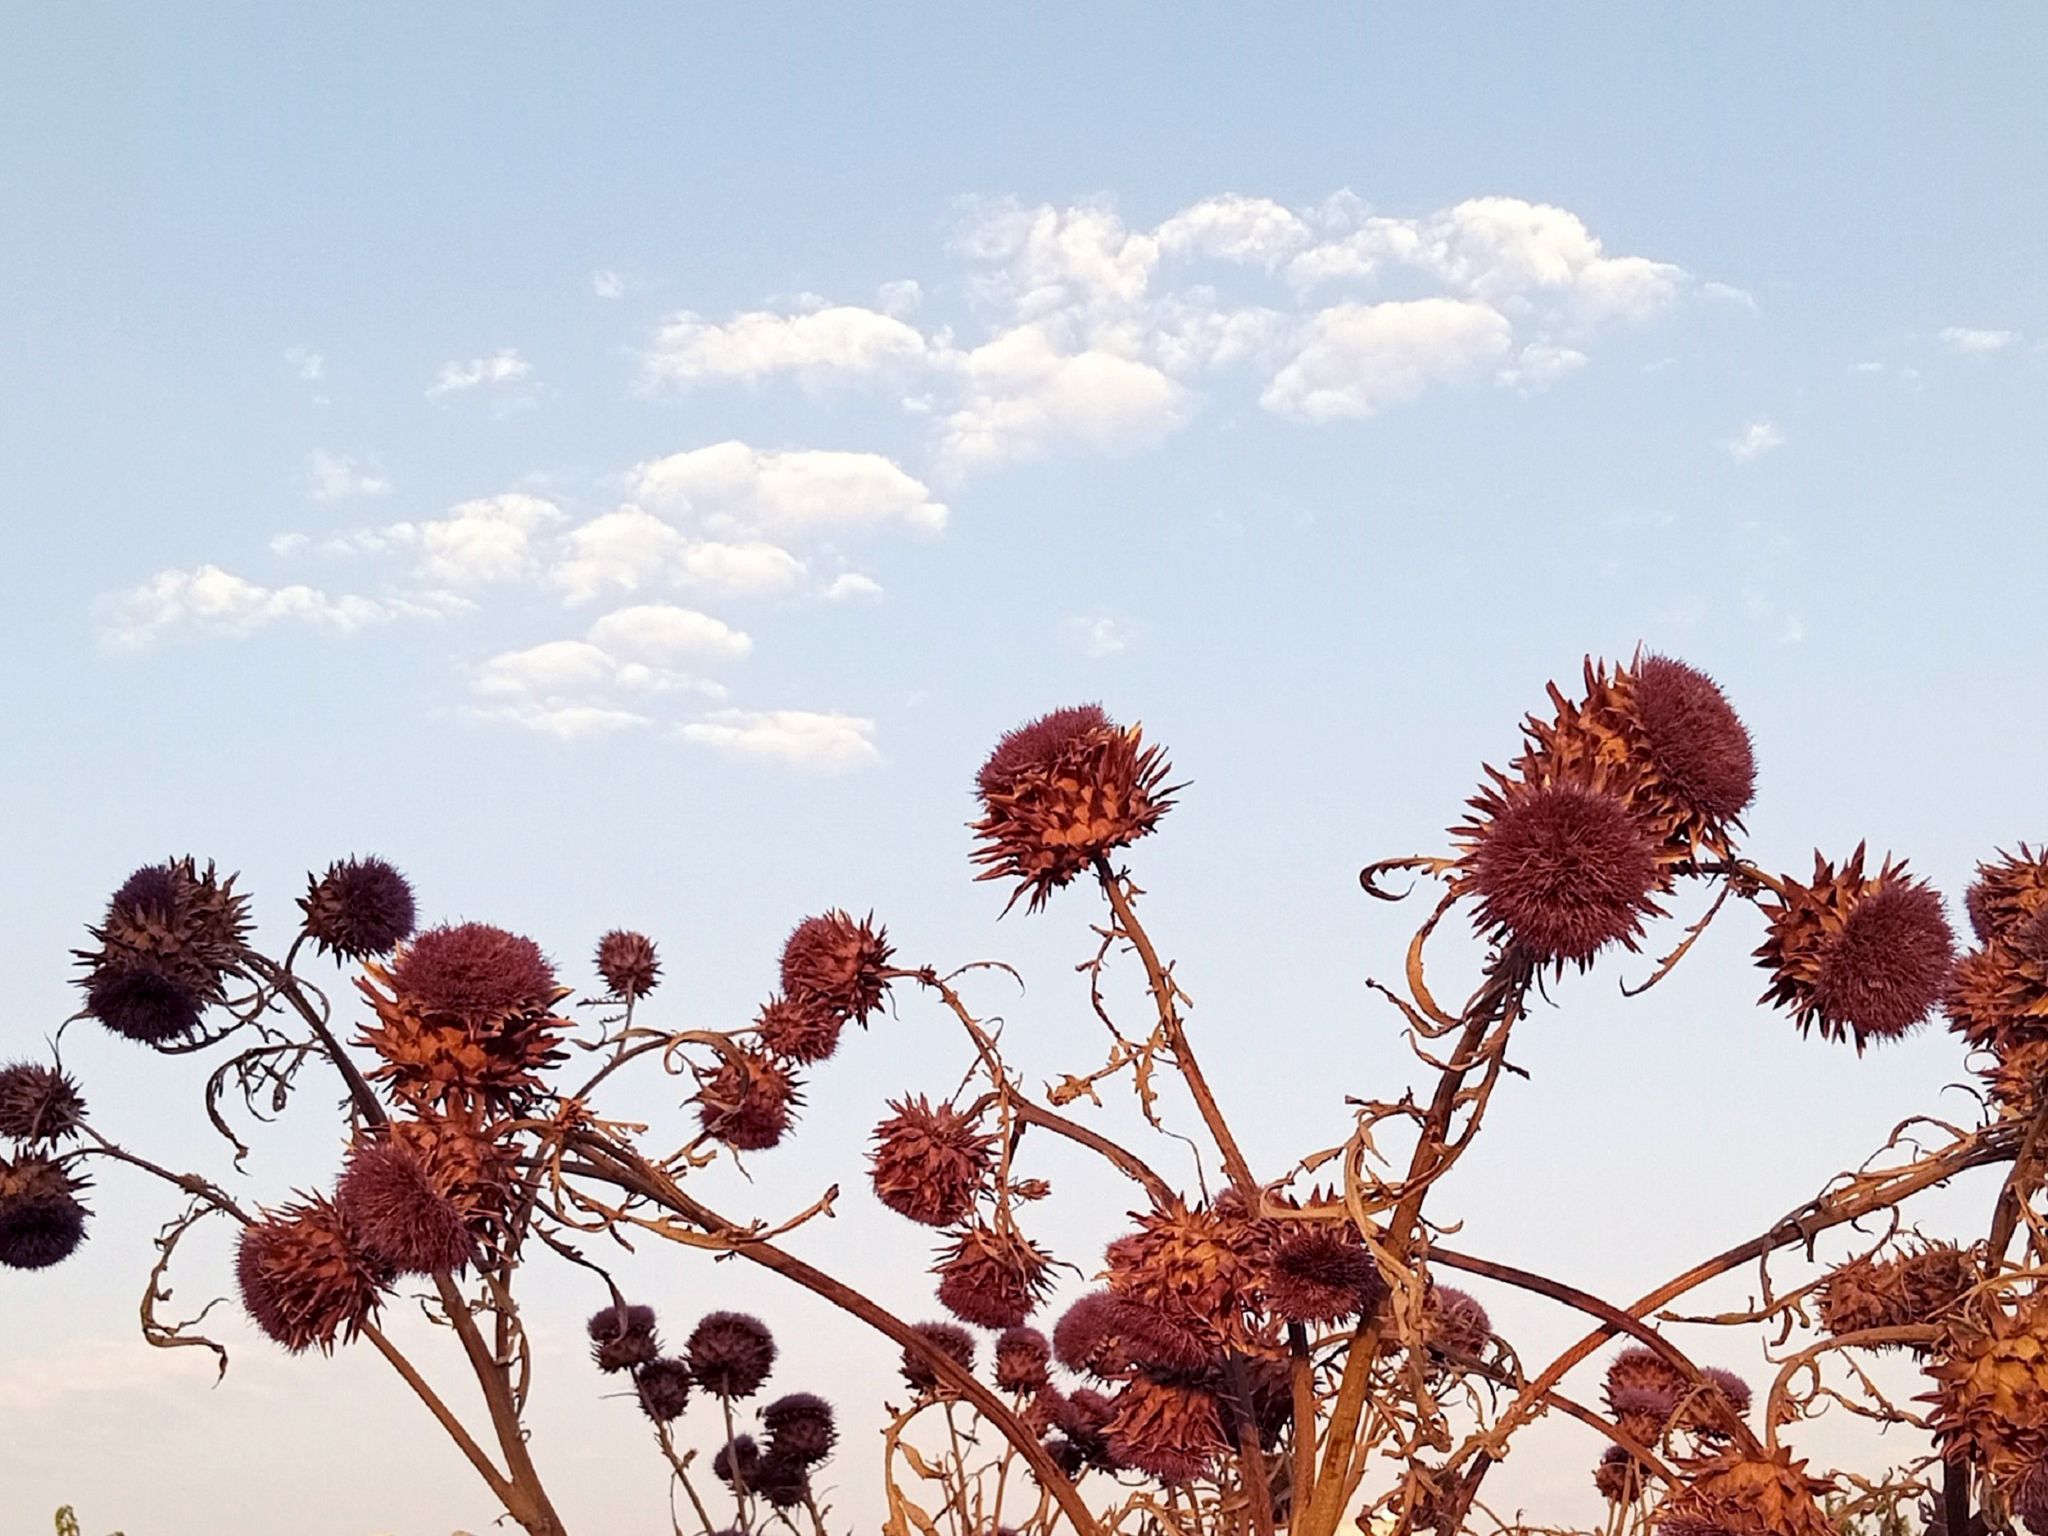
(899, 298)
(336, 477)
(794, 736)
(659, 634)
(841, 340)
(1727, 293)
(1969, 342)
(1754, 441)
(607, 284)
(794, 492)
(1538, 366)
(308, 367)
(1195, 331)
(621, 551)
(212, 601)
(1075, 266)
(1234, 228)
(482, 541)
(576, 688)
(751, 569)
(503, 368)
(1023, 395)
(851, 584)
(1099, 636)
(1355, 359)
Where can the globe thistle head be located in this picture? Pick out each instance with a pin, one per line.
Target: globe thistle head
(359, 908)
(930, 1163)
(622, 1337)
(1914, 1287)
(141, 1003)
(748, 1101)
(1695, 742)
(628, 964)
(781, 1479)
(1085, 1337)
(1167, 1346)
(1321, 1275)
(1562, 867)
(475, 973)
(306, 1279)
(1198, 1265)
(42, 1220)
(1455, 1322)
(1856, 957)
(2007, 890)
(837, 963)
(469, 1160)
(739, 1457)
(1084, 1416)
(947, 1339)
(1721, 1396)
(1170, 1431)
(663, 1387)
(1062, 791)
(1022, 1358)
(39, 1105)
(1765, 1494)
(993, 1277)
(1643, 1391)
(798, 1029)
(801, 1428)
(171, 935)
(1990, 1398)
(399, 1215)
(731, 1354)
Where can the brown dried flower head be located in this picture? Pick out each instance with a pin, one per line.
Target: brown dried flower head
(799, 1030)
(2007, 891)
(1022, 1358)
(1171, 1431)
(1062, 791)
(306, 1278)
(993, 1277)
(1561, 864)
(42, 1220)
(359, 908)
(470, 1162)
(663, 1387)
(801, 1428)
(1736, 1495)
(837, 963)
(1619, 1476)
(929, 1164)
(1321, 1275)
(748, 1101)
(622, 1337)
(1917, 1286)
(948, 1339)
(628, 964)
(1854, 956)
(1198, 1265)
(731, 1353)
(39, 1105)
(399, 1214)
(171, 935)
(1991, 1389)
(1456, 1323)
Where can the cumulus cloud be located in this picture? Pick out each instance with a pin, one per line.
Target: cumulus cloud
(483, 541)
(1234, 228)
(840, 340)
(1075, 269)
(606, 683)
(660, 634)
(336, 477)
(1967, 341)
(504, 369)
(851, 584)
(793, 492)
(1754, 441)
(801, 738)
(621, 551)
(1355, 359)
(1023, 395)
(1539, 365)
(208, 600)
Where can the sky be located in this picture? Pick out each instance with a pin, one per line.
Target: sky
(628, 466)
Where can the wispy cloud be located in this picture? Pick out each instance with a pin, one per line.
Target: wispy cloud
(504, 374)
(1967, 341)
(1754, 441)
(797, 737)
(337, 477)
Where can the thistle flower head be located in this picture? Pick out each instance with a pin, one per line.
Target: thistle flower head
(1738, 1495)
(2007, 889)
(781, 1479)
(1059, 793)
(663, 1387)
(1694, 739)
(731, 1354)
(474, 973)
(1456, 1323)
(622, 1337)
(469, 1161)
(1856, 957)
(993, 1277)
(399, 1215)
(739, 1456)
(800, 1428)
(306, 1278)
(359, 908)
(1171, 1431)
(42, 1220)
(1619, 1476)
(1195, 1264)
(171, 935)
(1991, 1389)
(748, 1101)
(39, 1104)
(628, 964)
(1022, 1356)
(799, 1030)
(948, 1339)
(1916, 1286)
(1319, 1275)
(930, 1163)
(837, 963)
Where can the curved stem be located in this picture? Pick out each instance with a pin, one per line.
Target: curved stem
(486, 1469)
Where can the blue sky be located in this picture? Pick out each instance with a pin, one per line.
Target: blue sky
(628, 468)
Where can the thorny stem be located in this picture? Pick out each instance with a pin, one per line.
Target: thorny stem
(1117, 889)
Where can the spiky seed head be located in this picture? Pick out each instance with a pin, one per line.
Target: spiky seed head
(799, 1030)
(622, 1338)
(1169, 1430)
(837, 963)
(628, 964)
(42, 1220)
(1320, 1275)
(1455, 1322)
(993, 1277)
(731, 1353)
(929, 1163)
(306, 1278)
(39, 1105)
(748, 1101)
(801, 1427)
(663, 1387)
(359, 908)
(1741, 1495)
(948, 1339)
(399, 1214)
(1022, 1356)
